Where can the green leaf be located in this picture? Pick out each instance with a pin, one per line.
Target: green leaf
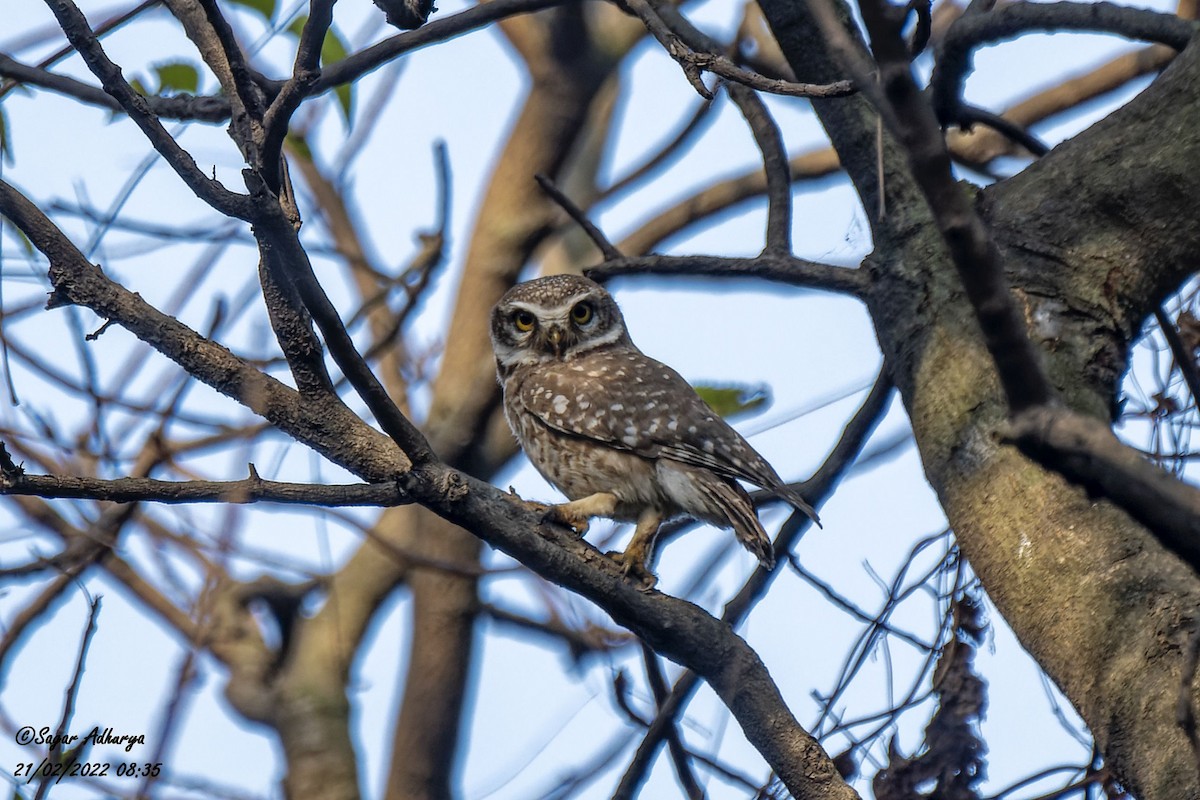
(298, 145)
(333, 49)
(731, 400)
(264, 7)
(177, 76)
(139, 87)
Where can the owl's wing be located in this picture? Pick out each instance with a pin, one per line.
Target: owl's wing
(629, 401)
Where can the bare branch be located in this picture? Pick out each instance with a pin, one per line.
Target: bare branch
(775, 166)
(355, 66)
(346, 441)
(970, 244)
(75, 26)
(248, 490)
(597, 236)
(855, 434)
(180, 106)
(768, 266)
(679, 754)
(1012, 19)
(695, 55)
(281, 235)
(305, 71)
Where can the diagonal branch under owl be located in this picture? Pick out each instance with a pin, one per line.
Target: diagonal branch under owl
(622, 435)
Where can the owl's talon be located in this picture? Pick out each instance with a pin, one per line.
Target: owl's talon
(634, 571)
(556, 515)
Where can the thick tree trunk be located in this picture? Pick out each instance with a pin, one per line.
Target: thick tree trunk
(1094, 235)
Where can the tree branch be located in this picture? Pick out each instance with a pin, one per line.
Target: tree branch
(970, 31)
(305, 72)
(768, 266)
(968, 240)
(684, 44)
(75, 26)
(853, 437)
(248, 490)
(328, 427)
(180, 106)
(1087, 453)
(775, 166)
(355, 66)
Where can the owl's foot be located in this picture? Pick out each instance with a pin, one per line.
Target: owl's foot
(634, 569)
(577, 513)
(563, 515)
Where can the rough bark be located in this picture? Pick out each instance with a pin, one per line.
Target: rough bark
(1094, 235)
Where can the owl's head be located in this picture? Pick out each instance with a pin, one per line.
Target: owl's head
(557, 318)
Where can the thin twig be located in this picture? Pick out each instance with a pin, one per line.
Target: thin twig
(775, 165)
(679, 754)
(822, 484)
(1185, 360)
(597, 236)
(970, 31)
(83, 39)
(72, 692)
(695, 55)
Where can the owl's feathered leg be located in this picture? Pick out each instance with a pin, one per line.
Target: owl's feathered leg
(576, 513)
(634, 559)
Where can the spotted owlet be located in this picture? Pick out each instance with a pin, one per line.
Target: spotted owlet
(621, 435)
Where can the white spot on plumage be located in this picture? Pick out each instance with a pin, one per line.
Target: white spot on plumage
(708, 446)
(618, 407)
(559, 404)
(672, 425)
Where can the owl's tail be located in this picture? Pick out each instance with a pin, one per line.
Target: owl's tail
(737, 511)
(785, 492)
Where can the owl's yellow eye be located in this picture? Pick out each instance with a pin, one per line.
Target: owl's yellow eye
(524, 321)
(581, 314)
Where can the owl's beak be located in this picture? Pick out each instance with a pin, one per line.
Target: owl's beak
(555, 336)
